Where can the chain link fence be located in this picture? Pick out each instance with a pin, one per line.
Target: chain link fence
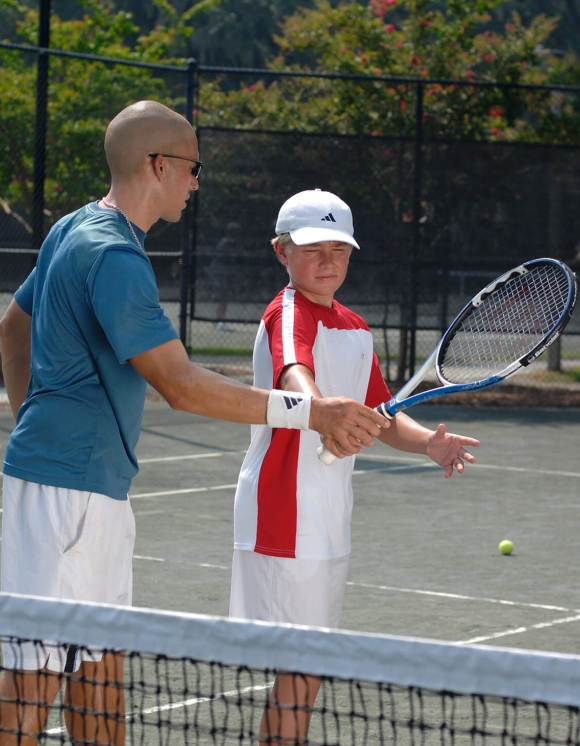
(436, 218)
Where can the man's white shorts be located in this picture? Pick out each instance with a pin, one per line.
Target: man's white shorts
(281, 589)
(65, 544)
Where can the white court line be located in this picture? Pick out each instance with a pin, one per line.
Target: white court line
(386, 460)
(192, 564)
(460, 597)
(143, 557)
(213, 454)
(397, 467)
(185, 491)
(179, 705)
(519, 630)
(495, 635)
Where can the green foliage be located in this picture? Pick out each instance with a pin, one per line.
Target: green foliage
(83, 96)
(417, 39)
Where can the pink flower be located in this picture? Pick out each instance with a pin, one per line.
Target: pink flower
(389, 28)
(380, 7)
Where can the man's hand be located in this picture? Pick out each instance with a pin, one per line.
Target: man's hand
(447, 450)
(345, 425)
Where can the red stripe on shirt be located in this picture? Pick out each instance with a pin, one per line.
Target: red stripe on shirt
(377, 391)
(277, 487)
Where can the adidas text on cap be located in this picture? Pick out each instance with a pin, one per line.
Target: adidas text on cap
(314, 215)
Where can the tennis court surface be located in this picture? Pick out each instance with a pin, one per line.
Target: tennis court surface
(425, 564)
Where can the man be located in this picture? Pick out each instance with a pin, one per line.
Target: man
(79, 342)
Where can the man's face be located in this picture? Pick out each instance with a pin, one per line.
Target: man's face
(179, 180)
(317, 270)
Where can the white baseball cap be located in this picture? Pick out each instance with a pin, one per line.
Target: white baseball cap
(314, 215)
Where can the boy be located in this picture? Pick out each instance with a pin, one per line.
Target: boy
(292, 513)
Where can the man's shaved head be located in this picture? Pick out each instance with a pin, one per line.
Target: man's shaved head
(143, 128)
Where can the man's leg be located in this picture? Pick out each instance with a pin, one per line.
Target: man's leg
(286, 718)
(25, 701)
(95, 702)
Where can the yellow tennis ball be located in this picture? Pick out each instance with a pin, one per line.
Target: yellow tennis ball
(506, 546)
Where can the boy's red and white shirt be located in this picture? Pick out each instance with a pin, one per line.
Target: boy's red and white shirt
(289, 504)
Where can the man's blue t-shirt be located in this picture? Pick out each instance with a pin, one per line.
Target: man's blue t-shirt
(94, 304)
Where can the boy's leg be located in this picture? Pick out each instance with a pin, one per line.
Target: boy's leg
(286, 718)
(25, 701)
(95, 702)
(275, 589)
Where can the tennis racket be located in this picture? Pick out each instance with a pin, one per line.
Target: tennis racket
(504, 328)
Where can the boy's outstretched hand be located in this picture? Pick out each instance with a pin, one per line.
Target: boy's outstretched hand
(447, 450)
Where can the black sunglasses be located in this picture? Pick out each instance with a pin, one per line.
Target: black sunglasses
(195, 171)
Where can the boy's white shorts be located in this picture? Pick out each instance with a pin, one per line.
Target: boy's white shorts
(63, 543)
(281, 589)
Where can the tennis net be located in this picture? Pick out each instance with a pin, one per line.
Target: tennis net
(192, 679)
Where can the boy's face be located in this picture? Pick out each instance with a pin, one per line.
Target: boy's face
(317, 270)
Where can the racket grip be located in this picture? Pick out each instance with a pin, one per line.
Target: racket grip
(326, 456)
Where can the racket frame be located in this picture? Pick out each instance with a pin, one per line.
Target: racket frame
(403, 400)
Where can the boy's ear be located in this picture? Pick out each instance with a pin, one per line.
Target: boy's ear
(280, 253)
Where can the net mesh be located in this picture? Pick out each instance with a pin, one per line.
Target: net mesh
(374, 689)
(507, 324)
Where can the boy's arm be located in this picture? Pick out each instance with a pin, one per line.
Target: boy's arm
(299, 377)
(15, 353)
(445, 449)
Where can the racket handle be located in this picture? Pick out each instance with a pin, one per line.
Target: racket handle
(327, 457)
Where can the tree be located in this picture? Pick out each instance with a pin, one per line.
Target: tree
(417, 39)
(83, 96)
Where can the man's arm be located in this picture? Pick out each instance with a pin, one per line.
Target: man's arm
(15, 353)
(191, 388)
(298, 377)
(445, 449)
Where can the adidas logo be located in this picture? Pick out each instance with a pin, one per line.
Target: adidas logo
(329, 217)
(292, 401)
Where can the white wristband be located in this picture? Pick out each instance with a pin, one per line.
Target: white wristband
(288, 409)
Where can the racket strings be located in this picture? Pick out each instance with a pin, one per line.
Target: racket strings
(507, 325)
